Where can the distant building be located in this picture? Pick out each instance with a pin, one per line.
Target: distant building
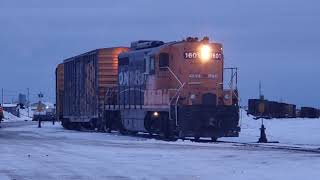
(22, 99)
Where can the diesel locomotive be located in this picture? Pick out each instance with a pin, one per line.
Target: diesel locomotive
(174, 89)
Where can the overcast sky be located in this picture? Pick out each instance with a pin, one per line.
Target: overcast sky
(274, 41)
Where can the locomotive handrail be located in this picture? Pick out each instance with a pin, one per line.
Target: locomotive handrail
(177, 95)
(106, 95)
(231, 83)
(176, 105)
(174, 75)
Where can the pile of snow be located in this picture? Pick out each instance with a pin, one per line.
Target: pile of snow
(10, 117)
(25, 114)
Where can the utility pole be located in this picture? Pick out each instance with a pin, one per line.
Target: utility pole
(40, 95)
(2, 96)
(260, 91)
(28, 103)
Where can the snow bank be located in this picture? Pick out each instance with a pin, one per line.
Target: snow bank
(10, 117)
(24, 114)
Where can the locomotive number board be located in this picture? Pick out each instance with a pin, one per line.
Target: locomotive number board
(197, 55)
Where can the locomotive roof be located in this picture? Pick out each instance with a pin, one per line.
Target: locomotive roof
(148, 51)
(154, 50)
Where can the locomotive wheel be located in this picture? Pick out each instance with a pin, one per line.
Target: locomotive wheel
(165, 127)
(91, 126)
(196, 138)
(123, 132)
(133, 132)
(181, 135)
(168, 132)
(214, 139)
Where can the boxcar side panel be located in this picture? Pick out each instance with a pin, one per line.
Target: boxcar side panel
(108, 70)
(87, 77)
(59, 91)
(81, 87)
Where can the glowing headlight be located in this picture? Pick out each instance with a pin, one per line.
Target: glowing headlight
(155, 114)
(205, 52)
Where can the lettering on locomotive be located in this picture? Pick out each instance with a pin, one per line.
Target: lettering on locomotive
(197, 55)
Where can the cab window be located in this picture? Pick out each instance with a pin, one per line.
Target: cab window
(152, 65)
(149, 65)
(163, 61)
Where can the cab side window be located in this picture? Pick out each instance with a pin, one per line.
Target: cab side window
(149, 65)
(163, 61)
(152, 65)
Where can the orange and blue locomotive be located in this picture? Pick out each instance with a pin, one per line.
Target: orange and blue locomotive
(173, 89)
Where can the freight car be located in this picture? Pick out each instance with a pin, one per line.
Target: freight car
(271, 109)
(81, 84)
(259, 108)
(309, 112)
(172, 89)
(290, 111)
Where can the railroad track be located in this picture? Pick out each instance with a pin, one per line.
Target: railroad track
(270, 146)
(273, 146)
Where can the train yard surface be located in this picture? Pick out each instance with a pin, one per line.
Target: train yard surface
(55, 153)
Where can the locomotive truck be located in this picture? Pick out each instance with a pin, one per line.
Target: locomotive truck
(174, 89)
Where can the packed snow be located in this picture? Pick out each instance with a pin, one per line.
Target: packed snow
(23, 116)
(295, 131)
(52, 152)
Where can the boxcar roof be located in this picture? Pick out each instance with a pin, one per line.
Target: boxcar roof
(90, 52)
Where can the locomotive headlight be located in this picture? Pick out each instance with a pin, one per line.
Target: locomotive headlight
(155, 114)
(205, 53)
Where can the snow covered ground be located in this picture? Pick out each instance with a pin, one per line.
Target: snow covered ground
(51, 152)
(297, 131)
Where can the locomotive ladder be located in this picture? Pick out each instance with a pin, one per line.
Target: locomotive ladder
(176, 97)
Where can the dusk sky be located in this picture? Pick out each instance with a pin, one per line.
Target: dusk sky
(275, 41)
